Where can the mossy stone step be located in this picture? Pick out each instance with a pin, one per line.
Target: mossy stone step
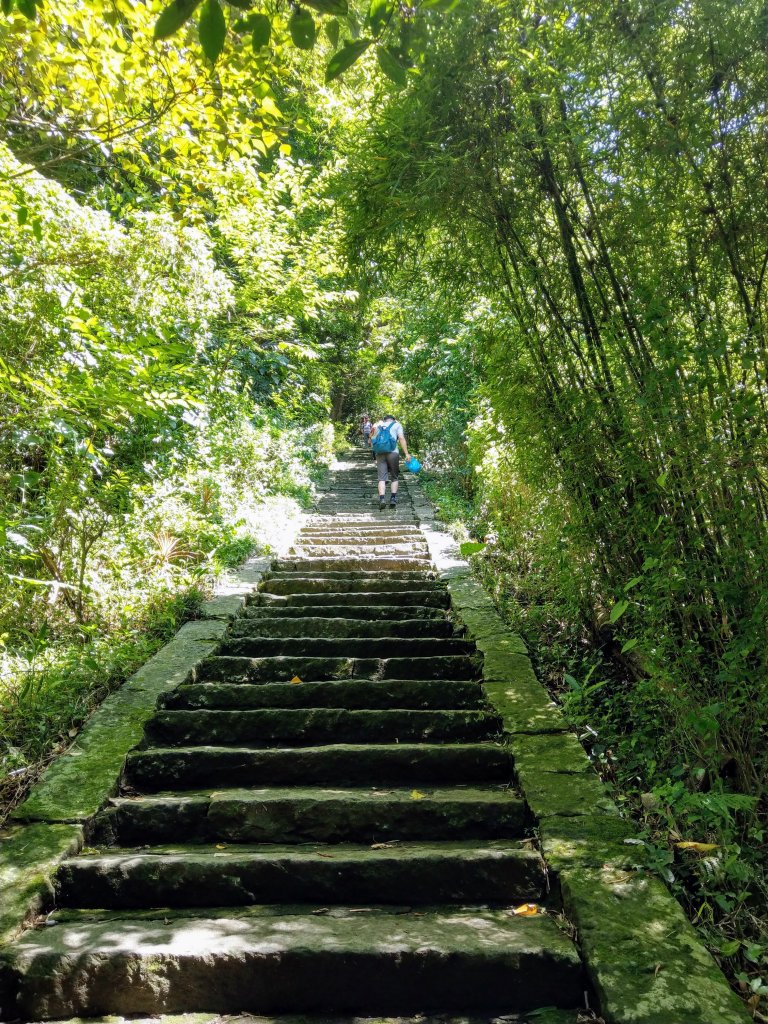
(272, 960)
(295, 584)
(310, 726)
(324, 626)
(425, 694)
(373, 613)
(349, 647)
(300, 815)
(342, 564)
(295, 597)
(281, 669)
(361, 575)
(415, 873)
(400, 764)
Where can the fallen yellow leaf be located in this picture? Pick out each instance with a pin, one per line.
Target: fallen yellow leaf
(416, 794)
(296, 679)
(698, 847)
(221, 846)
(527, 910)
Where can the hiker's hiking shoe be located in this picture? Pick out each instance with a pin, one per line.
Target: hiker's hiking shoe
(393, 502)
(382, 504)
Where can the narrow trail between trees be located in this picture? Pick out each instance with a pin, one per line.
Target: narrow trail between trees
(322, 819)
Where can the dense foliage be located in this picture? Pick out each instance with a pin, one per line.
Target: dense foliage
(540, 232)
(584, 194)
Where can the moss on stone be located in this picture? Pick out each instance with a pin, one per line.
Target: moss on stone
(587, 840)
(524, 706)
(559, 752)
(29, 856)
(77, 784)
(564, 793)
(643, 956)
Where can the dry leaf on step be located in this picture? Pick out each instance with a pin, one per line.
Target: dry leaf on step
(416, 794)
(296, 679)
(697, 847)
(527, 910)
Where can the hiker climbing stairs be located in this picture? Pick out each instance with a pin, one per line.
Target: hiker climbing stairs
(322, 819)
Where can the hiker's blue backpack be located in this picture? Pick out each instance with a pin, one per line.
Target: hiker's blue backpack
(385, 440)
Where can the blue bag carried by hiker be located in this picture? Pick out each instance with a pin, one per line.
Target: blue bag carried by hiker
(385, 440)
(412, 464)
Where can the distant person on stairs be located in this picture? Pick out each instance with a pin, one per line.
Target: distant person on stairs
(366, 428)
(387, 434)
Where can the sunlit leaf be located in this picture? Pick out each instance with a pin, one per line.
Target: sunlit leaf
(174, 16)
(471, 547)
(391, 66)
(336, 7)
(379, 13)
(296, 679)
(618, 610)
(213, 29)
(416, 794)
(345, 58)
(527, 910)
(261, 30)
(303, 29)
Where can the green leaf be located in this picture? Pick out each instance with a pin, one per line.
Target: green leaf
(5, 6)
(379, 13)
(261, 30)
(439, 5)
(618, 610)
(213, 29)
(391, 66)
(303, 29)
(21, 215)
(336, 7)
(332, 31)
(37, 229)
(28, 8)
(470, 547)
(629, 646)
(174, 16)
(345, 58)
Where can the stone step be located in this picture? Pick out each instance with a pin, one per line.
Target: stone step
(370, 533)
(324, 626)
(347, 550)
(427, 694)
(311, 726)
(295, 584)
(293, 959)
(414, 873)
(363, 562)
(360, 576)
(283, 669)
(416, 765)
(307, 814)
(296, 598)
(371, 613)
(349, 647)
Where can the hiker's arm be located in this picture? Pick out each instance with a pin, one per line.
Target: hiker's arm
(404, 445)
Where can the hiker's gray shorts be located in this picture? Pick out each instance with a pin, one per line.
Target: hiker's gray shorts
(388, 463)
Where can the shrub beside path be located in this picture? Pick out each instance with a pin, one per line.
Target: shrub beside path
(343, 792)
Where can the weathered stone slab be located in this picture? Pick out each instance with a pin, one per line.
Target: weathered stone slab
(590, 840)
(643, 956)
(29, 856)
(547, 752)
(563, 793)
(524, 709)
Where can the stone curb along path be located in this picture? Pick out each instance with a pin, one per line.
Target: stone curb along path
(642, 955)
(51, 822)
(353, 844)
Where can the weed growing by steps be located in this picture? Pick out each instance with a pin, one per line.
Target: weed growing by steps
(147, 573)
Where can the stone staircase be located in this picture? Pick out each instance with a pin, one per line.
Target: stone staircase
(322, 820)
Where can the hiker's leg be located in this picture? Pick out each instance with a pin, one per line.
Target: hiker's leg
(382, 469)
(393, 462)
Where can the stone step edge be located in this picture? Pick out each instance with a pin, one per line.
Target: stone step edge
(612, 905)
(521, 954)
